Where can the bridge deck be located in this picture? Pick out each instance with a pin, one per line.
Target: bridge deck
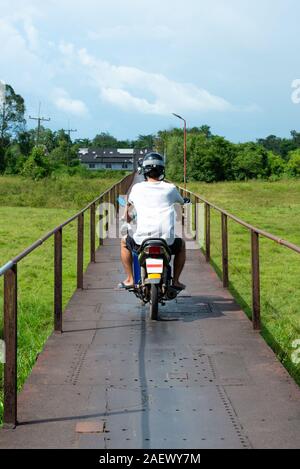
(200, 378)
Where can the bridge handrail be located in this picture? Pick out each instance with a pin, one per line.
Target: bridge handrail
(48, 235)
(10, 273)
(255, 232)
(241, 222)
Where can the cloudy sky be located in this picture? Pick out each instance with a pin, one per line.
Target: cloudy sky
(123, 66)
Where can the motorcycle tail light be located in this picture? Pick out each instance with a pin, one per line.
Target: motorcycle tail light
(154, 250)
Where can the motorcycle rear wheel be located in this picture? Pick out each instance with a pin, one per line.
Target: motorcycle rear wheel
(154, 302)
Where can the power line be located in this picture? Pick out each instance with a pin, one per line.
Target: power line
(69, 131)
(39, 119)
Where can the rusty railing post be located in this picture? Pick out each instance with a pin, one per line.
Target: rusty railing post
(196, 218)
(80, 249)
(10, 340)
(117, 210)
(255, 281)
(107, 216)
(101, 227)
(109, 208)
(183, 209)
(207, 232)
(58, 281)
(93, 233)
(225, 250)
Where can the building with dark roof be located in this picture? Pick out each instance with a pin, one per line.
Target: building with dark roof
(111, 158)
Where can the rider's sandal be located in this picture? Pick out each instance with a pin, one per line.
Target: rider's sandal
(122, 286)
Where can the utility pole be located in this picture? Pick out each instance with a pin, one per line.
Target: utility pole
(184, 148)
(69, 131)
(39, 119)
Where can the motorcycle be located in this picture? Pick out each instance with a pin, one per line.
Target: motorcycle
(153, 274)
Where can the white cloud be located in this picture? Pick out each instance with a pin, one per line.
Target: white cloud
(66, 48)
(23, 60)
(65, 103)
(153, 32)
(15, 51)
(153, 93)
(32, 34)
(126, 101)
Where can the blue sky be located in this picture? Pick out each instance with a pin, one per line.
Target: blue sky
(124, 66)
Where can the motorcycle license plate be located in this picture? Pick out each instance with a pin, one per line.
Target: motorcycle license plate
(155, 266)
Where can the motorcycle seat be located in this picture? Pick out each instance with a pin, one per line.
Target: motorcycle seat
(154, 242)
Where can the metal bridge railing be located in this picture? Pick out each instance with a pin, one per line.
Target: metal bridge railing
(256, 233)
(10, 273)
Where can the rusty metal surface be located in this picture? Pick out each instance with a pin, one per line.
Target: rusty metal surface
(80, 247)
(58, 281)
(199, 378)
(10, 338)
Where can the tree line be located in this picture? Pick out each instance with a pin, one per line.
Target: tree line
(211, 158)
(39, 153)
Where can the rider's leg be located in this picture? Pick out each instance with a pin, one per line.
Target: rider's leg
(126, 258)
(179, 262)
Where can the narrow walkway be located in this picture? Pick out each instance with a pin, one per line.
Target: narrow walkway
(199, 378)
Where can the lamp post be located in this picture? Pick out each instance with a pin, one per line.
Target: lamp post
(184, 149)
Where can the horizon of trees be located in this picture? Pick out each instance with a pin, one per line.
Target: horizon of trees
(210, 157)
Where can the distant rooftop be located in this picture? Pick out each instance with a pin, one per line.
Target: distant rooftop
(90, 155)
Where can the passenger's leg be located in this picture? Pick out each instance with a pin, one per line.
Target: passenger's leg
(126, 258)
(179, 263)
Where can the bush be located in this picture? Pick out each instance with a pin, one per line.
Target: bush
(14, 160)
(293, 165)
(251, 162)
(277, 165)
(37, 165)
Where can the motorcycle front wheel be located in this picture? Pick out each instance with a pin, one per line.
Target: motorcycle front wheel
(154, 302)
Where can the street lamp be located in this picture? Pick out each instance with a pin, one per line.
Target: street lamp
(184, 150)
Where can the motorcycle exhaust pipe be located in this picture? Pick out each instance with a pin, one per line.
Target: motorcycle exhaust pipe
(171, 293)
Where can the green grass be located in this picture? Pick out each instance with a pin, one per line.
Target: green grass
(274, 207)
(63, 192)
(22, 225)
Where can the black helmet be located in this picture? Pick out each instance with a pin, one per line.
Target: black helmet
(154, 166)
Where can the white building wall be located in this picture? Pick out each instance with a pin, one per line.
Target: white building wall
(115, 166)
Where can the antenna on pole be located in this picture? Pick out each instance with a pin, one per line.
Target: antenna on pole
(69, 131)
(39, 119)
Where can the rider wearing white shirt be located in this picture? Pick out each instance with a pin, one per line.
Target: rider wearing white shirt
(154, 202)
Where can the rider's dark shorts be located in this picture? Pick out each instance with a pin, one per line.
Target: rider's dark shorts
(175, 247)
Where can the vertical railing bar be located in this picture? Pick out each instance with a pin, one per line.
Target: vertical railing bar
(80, 250)
(58, 281)
(10, 340)
(183, 209)
(93, 233)
(196, 218)
(207, 232)
(101, 227)
(109, 209)
(117, 210)
(224, 224)
(256, 319)
(107, 216)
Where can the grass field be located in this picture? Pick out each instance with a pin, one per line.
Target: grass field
(21, 224)
(274, 207)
